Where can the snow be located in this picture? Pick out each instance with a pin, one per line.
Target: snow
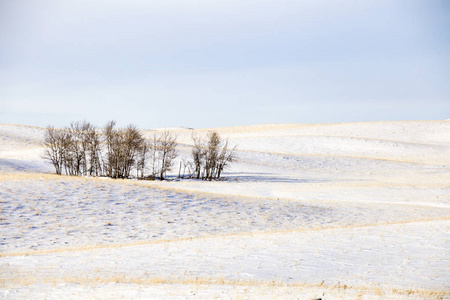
(332, 211)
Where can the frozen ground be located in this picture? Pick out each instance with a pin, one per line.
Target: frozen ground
(333, 211)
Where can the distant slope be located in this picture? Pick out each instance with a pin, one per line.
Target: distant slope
(21, 148)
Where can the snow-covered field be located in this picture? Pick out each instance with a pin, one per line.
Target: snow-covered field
(331, 211)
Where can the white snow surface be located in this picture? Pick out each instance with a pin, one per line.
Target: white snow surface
(330, 211)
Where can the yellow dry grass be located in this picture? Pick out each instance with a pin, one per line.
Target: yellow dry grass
(96, 280)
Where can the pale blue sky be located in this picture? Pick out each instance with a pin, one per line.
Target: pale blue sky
(212, 63)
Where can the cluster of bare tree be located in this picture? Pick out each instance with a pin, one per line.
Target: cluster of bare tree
(82, 149)
(74, 150)
(123, 146)
(211, 156)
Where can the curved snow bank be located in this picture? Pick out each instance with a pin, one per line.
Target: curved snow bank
(348, 146)
(410, 141)
(405, 131)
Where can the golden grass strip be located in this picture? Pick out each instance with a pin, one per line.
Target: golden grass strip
(96, 280)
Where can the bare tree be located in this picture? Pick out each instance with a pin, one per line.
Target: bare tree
(81, 149)
(198, 156)
(212, 154)
(114, 159)
(142, 159)
(132, 145)
(154, 152)
(111, 157)
(225, 157)
(76, 160)
(210, 157)
(88, 143)
(70, 153)
(54, 148)
(122, 150)
(163, 153)
(93, 150)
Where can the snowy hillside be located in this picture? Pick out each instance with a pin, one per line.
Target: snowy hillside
(331, 211)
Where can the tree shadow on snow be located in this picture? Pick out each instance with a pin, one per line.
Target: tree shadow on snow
(268, 177)
(14, 165)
